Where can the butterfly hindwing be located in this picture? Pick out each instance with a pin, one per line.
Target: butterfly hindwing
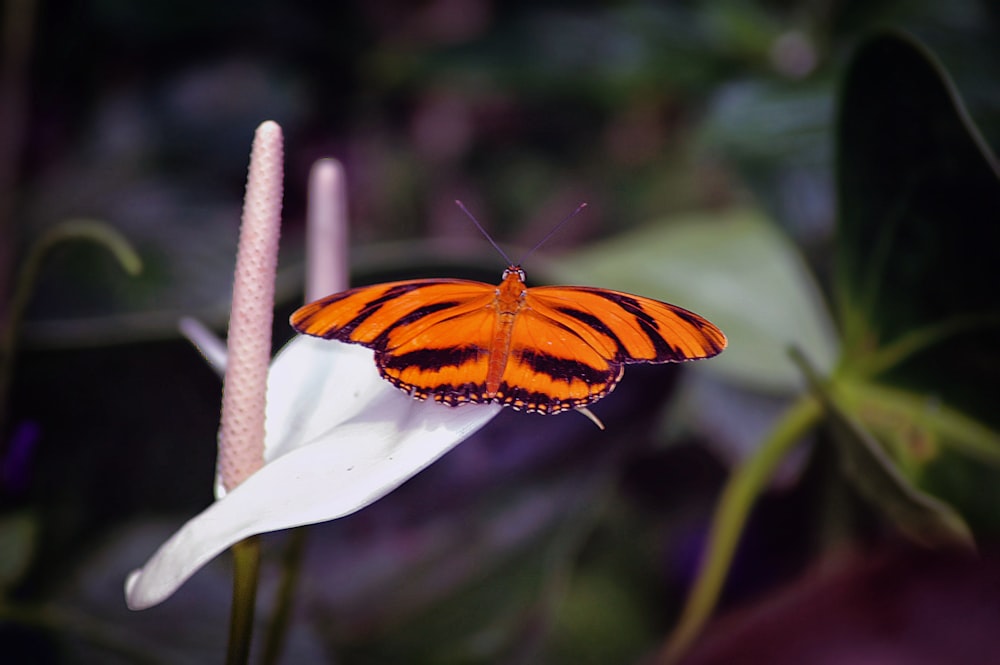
(554, 366)
(444, 356)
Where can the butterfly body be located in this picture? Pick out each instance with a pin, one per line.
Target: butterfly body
(541, 349)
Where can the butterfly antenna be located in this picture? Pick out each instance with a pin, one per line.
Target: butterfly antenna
(554, 230)
(484, 232)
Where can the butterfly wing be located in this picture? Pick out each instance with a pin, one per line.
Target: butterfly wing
(430, 336)
(569, 344)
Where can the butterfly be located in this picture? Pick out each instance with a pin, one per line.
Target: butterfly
(543, 349)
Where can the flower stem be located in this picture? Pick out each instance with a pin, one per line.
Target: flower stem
(246, 563)
(738, 496)
(277, 629)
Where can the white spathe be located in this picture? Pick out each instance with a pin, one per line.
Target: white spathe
(338, 438)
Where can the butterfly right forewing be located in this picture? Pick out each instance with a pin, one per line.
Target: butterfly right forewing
(431, 337)
(367, 314)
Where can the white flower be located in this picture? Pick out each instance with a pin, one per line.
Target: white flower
(338, 438)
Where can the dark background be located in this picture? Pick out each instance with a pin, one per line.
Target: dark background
(140, 115)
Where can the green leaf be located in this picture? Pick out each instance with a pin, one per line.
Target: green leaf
(917, 426)
(736, 269)
(917, 258)
(919, 242)
(920, 516)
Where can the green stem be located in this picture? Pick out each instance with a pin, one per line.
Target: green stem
(93, 231)
(277, 630)
(246, 563)
(744, 485)
(920, 339)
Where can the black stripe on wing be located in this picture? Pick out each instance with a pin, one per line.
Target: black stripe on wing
(339, 316)
(563, 369)
(431, 358)
(594, 323)
(314, 315)
(665, 351)
(372, 308)
(413, 317)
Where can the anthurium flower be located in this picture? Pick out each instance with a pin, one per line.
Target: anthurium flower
(338, 438)
(318, 436)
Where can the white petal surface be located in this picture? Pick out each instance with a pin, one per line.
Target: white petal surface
(338, 438)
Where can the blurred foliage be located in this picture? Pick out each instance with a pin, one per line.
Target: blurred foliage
(919, 319)
(909, 289)
(747, 160)
(759, 291)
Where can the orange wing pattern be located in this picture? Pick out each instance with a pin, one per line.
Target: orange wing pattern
(543, 349)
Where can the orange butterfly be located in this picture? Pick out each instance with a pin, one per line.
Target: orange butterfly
(544, 349)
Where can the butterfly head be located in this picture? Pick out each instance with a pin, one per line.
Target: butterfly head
(514, 270)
